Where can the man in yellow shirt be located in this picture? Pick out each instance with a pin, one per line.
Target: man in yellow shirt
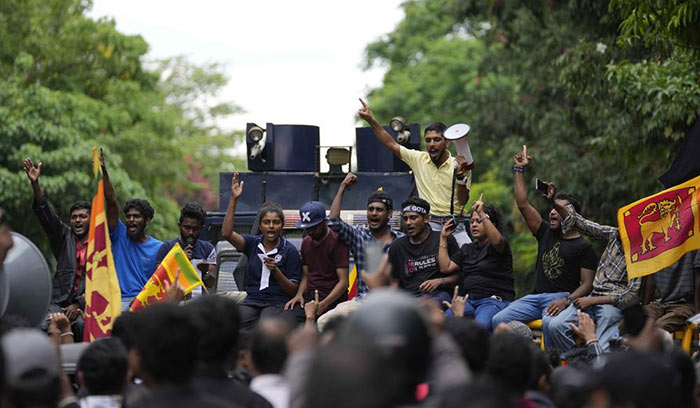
(432, 170)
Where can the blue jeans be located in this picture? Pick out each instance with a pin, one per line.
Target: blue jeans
(482, 310)
(529, 308)
(606, 317)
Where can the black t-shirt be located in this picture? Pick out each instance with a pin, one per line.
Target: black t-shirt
(414, 264)
(559, 261)
(485, 271)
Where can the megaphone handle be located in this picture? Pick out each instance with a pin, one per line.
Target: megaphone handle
(452, 196)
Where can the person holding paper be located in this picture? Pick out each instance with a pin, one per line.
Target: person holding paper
(273, 270)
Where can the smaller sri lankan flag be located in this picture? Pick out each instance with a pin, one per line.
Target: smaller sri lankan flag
(657, 230)
(103, 297)
(352, 283)
(154, 290)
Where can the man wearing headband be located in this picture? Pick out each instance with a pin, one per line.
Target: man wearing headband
(432, 170)
(379, 211)
(413, 259)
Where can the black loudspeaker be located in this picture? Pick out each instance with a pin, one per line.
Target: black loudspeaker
(284, 148)
(372, 156)
(25, 282)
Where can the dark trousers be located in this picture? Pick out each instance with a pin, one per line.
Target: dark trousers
(251, 311)
(670, 316)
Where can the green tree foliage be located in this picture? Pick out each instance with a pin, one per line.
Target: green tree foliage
(601, 92)
(68, 83)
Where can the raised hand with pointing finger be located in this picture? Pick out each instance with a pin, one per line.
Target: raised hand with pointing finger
(364, 112)
(521, 158)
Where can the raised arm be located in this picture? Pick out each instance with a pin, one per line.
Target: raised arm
(227, 231)
(33, 173)
(48, 219)
(446, 265)
(110, 198)
(570, 219)
(531, 216)
(495, 238)
(383, 136)
(337, 204)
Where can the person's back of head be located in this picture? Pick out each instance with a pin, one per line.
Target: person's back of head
(475, 396)
(509, 366)
(125, 328)
(394, 323)
(473, 341)
(361, 366)
(268, 345)
(631, 378)
(164, 341)
(217, 321)
(541, 371)
(103, 367)
(31, 368)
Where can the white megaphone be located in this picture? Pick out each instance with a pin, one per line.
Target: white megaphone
(457, 133)
(25, 282)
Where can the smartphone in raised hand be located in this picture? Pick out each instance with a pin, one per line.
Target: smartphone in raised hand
(541, 186)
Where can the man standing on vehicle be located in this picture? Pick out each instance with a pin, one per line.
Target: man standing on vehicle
(433, 171)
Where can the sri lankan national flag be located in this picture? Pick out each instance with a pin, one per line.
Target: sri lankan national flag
(102, 293)
(154, 290)
(352, 283)
(657, 230)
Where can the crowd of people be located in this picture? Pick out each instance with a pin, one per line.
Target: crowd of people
(434, 321)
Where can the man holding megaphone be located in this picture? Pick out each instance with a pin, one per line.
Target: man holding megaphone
(441, 180)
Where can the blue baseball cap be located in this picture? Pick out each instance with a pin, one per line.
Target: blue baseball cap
(310, 214)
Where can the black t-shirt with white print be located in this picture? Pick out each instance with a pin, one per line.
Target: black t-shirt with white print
(413, 264)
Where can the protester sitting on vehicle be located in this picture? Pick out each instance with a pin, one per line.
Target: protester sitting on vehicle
(413, 258)
(565, 262)
(69, 247)
(273, 270)
(199, 252)
(324, 261)
(611, 288)
(380, 207)
(672, 295)
(485, 265)
(134, 251)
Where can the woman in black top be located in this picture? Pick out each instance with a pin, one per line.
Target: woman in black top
(486, 264)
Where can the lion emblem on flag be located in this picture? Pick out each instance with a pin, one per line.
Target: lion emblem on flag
(659, 218)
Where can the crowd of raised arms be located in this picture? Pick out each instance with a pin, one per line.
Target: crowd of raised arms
(434, 321)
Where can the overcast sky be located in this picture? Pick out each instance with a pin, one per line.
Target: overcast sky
(289, 62)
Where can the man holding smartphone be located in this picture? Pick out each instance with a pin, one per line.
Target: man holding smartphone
(565, 262)
(611, 292)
